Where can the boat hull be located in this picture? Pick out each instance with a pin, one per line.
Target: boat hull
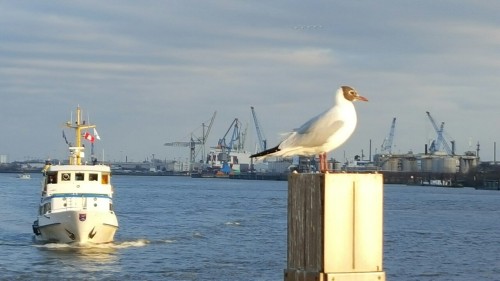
(76, 226)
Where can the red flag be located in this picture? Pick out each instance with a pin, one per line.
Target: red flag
(89, 137)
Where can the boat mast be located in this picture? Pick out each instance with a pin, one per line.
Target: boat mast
(77, 152)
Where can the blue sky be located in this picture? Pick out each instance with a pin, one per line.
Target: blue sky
(150, 72)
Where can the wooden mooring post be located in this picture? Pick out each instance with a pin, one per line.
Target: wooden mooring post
(335, 227)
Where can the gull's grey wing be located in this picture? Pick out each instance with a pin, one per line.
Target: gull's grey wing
(314, 132)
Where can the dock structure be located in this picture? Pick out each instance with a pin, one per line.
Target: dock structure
(335, 227)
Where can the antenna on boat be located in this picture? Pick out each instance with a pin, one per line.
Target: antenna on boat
(77, 152)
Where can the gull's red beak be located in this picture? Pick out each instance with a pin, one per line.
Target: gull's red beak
(361, 98)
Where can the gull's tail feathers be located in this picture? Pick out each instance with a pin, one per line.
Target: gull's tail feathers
(266, 152)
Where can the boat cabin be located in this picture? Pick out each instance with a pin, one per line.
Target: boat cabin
(63, 179)
(53, 177)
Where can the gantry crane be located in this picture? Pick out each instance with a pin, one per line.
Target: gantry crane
(260, 134)
(235, 143)
(387, 144)
(436, 144)
(195, 141)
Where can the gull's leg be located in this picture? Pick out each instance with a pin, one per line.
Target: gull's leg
(322, 163)
(326, 163)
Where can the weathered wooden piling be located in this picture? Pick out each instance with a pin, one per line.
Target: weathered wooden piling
(335, 227)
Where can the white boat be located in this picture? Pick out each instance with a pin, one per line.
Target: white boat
(76, 205)
(24, 176)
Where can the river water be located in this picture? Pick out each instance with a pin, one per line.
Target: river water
(178, 228)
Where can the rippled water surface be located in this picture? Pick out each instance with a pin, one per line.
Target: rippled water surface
(177, 228)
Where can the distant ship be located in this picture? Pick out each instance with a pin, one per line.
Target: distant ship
(227, 163)
(76, 203)
(24, 176)
(228, 157)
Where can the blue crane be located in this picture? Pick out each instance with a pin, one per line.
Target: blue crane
(234, 143)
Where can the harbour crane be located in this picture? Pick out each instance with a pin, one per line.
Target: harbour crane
(260, 134)
(436, 144)
(235, 143)
(204, 137)
(192, 148)
(387, 143)
(194, 141)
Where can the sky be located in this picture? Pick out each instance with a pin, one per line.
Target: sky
(150, 72)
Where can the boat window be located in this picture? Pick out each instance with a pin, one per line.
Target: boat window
(105, 179)
(92, 177)
(52, 177)
(79, 176)
(66, 176)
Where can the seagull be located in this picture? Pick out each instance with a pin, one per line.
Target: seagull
(322, 133)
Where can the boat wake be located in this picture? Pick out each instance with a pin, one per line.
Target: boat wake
(83, 246)
(130, 244)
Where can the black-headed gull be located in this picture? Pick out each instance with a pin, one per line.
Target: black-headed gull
(322, 133)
